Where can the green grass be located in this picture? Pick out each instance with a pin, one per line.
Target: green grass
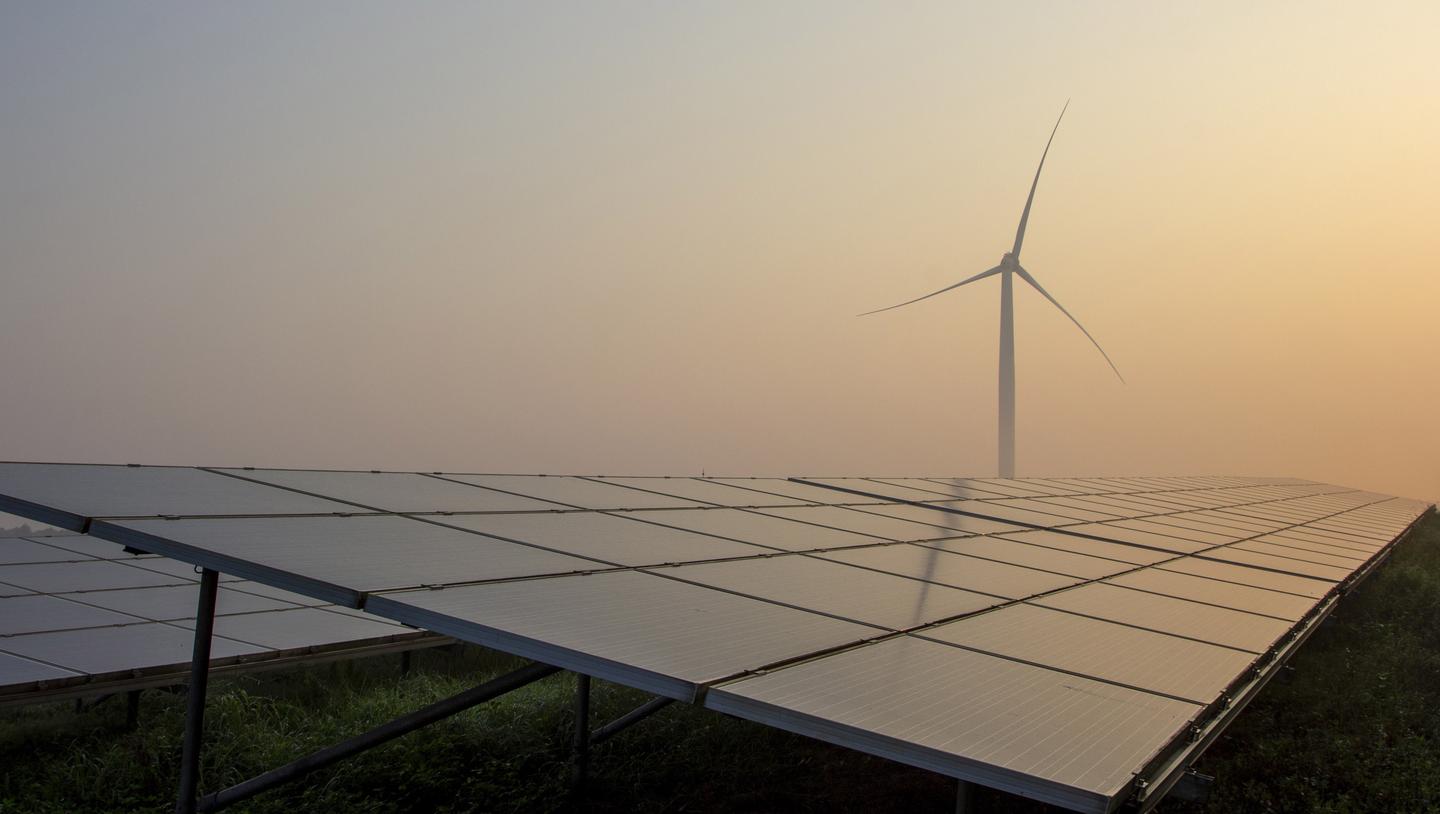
(1354, 727)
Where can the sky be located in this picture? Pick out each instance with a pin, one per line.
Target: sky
(633, 238)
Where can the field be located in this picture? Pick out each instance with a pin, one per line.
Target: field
(1354, 726)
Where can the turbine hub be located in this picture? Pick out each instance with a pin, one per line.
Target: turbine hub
(1009, 261)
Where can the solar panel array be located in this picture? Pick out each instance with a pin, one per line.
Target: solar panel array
(82, 615)
(1059, 638)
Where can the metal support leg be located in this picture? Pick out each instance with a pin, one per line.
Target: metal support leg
(582, 731)
(380, 734)
(195, 698)
(132, 710)
(629, 719)
(965, 798)
(405, 664)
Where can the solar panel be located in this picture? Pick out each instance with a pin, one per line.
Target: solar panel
(1018, 552)
(577, 492)
(104, 620)
(87, 490)
(995, 721)
(340, 558)
(661, 635)
(716, 492)
(855, 594)
(621, 539)
(1063, 638)
(956, 570)
(760, 529)
(1168, 614)
(1120, 654)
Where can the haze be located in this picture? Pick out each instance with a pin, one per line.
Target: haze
(633, 238)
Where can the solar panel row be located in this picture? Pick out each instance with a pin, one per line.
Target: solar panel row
(1060, 638)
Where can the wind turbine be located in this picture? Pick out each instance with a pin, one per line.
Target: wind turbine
(1008, 269)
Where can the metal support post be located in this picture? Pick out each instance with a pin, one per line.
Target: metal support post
(380, 734)
(195, 697)
(132, 709)
(965, 798)
(629, 719)
(405, 664)
(582, 731)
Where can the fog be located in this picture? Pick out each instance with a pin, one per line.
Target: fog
(633, 238)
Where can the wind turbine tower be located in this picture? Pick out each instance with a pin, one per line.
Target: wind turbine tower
(1008, 269)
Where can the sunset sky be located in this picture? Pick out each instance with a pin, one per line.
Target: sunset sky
(623, 238)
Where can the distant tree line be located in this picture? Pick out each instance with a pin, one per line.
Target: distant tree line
(24, 529)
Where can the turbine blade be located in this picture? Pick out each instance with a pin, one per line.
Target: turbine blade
(982, 275)
(1025, 275)
(1025, 215)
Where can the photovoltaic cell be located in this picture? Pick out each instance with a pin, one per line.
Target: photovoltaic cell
(955, 570)
(1055, 511)
(1142, 659)
(888, 528)
(708, 491)
(1306, 554)
(576, 492)
(1214, 592)
(81, 576)
(760, 529)
(339, 558)
(169, 603)
(395, 491)
(1244, 575)
(1282, 564)
(39, 612)
(1167, 614)
(950, 523)
(87, 490)
(922, 489)
(1165, 542)
(1032, 556)
(16, 551)
(300, 627)
(795, 492)
(89, 610)
(19, 670)
(622, 539)
(1172, 530)
(1134, 555)
(121, 649)
(855, 594)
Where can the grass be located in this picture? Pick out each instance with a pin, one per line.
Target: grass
(1355, 726)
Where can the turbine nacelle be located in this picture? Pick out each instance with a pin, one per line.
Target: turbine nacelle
(1008, 262)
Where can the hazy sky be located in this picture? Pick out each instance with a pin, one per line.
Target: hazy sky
(633, 238)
